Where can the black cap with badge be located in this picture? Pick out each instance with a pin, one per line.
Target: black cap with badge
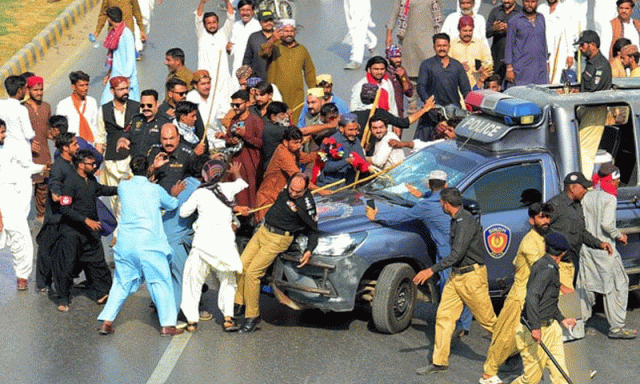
(577, 178)
(588, 36)
(265, 15)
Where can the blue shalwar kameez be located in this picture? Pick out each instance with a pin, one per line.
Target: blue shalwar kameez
(124, 64)
(142, 251)
(180, 236)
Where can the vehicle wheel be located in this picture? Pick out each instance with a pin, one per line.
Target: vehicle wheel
(394, 299)
(287, 10)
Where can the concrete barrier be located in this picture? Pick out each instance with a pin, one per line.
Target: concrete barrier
(35, 50)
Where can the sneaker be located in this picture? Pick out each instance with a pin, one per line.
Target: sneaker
(491, 380)
(433, 368)
(352, 65)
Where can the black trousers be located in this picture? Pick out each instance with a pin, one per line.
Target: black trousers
(47, 240)
(76, 249)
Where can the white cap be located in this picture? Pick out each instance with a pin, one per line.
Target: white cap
(288, 22)
(437, 174)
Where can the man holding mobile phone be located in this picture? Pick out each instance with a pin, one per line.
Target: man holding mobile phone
(472, 52)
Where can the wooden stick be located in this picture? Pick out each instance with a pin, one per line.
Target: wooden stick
(555, 62)
(297, 107)
(313, 192)
(213, 99)
(367, 131)
(368, 177)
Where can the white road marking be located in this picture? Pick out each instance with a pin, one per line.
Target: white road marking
(169, 359)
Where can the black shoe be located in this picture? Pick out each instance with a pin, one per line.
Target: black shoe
(250, 324)
(238, 310)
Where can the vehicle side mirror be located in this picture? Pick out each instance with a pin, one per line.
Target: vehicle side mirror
(472, 206)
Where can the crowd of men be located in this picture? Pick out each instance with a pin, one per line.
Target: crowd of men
(185, 173)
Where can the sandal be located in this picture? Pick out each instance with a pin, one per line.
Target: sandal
(230, 325)
(192, 327)
(63, 308)
(102, 300)
(623, 333)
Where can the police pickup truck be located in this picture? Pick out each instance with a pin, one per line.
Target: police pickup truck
(514, 149)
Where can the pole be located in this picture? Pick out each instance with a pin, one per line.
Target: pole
(548, 352)
(555, 62)
(367, 131)
(213, 99)
(368, 177)
(579, 60)
(313, 192)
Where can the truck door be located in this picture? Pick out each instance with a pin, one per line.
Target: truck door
(504, 194)
(628, 212)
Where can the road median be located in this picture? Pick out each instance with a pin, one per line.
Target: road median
(35, 50)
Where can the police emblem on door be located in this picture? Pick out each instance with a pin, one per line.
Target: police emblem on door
(497, 239)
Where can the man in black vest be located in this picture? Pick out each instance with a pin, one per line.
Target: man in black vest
(144, 129)
(113, 117)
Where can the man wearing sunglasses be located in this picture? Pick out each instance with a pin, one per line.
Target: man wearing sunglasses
(80, 232)
(176, 93)
(113, 117)
(246, 129)
(144, 129)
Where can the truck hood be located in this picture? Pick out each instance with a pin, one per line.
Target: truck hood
(344, 212)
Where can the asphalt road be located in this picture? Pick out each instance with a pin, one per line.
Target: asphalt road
(41, 345)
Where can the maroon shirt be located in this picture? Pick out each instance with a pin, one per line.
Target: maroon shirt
(249, 156)
(39, 116)
(398, 91)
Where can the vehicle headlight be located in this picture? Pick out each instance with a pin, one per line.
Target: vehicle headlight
(338, 245)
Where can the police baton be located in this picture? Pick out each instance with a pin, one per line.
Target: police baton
(548, 352)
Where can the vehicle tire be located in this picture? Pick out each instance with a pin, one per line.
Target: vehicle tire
(287, 9)
(394, 299)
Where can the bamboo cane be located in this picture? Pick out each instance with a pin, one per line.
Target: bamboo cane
(368, 177)
(555, 62)
(213, 99)
(313, 192)
(367, 131)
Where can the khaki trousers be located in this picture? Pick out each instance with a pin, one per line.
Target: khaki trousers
(503, 342)
(262, 249)
(471, 289)
(535, 360)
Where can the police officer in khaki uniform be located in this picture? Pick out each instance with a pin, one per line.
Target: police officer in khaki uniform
(542, 315)
(467, 283)
(532, 248)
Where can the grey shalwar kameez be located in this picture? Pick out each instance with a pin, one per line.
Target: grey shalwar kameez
(600, 272)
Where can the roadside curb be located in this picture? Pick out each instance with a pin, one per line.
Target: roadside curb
(33, 51)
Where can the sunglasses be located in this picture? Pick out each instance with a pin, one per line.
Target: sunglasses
(93, 163)
(146, 106)
(180, 93)
(236, 105)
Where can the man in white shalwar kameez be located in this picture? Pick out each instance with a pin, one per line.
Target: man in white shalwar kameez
(560, 36)
(241, 31)
(146, 10)
(465, 8)
(358, 15)
(214, 248)
(14, 228)
(213, 58)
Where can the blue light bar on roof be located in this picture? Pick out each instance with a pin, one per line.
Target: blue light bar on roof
(516, 111)
(512, 110)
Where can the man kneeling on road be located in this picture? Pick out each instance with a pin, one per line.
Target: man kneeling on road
(467, 283)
